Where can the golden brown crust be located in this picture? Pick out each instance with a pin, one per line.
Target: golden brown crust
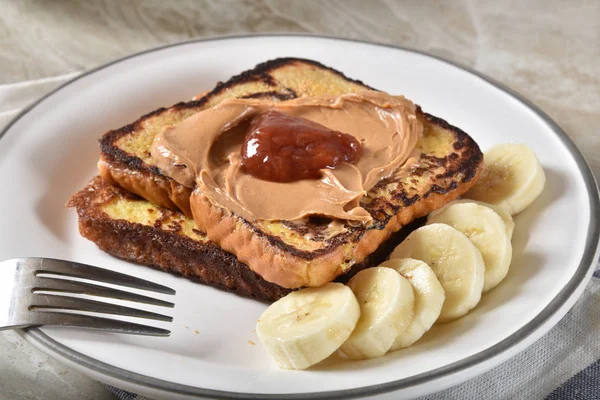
(158, 189)
(290, 271)
(172, 251)
(288, 267)
(262, 73)
(447, 176)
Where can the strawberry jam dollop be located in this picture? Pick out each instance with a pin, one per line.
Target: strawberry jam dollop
(283, 148)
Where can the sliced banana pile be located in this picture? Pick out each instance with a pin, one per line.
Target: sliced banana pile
(512, 178)
(307, 326)
(437, 274)
(429, 299)
(486, 230)
(456, 262)
(386, 302)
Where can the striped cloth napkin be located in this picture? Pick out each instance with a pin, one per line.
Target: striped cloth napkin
(563, 364)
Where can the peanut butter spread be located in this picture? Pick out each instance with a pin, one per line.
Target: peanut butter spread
(204, 152)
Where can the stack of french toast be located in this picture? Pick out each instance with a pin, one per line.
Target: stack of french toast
(139, 210)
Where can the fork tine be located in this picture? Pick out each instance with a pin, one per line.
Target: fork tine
(78, 270)
(97, 323)
(42, 301)
(62, 285)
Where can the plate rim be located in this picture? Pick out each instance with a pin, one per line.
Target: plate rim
(582, 274)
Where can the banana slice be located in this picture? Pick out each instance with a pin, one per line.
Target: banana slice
(308, 325)
(429, 298)
(506, 217)
(455, 261)
(512, 178)
(386, 305)
(487, 231)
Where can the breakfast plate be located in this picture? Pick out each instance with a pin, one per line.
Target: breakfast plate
(50, 150)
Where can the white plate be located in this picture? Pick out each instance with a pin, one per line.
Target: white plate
(50, 151)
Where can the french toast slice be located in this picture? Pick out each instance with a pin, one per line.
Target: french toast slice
(289, 253)
(131, 228)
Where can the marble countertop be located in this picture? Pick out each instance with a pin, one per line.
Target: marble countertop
(547, 50)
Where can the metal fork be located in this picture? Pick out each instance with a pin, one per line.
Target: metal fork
(21, 304)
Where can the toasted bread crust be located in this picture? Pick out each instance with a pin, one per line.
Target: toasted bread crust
(275, 264)
(174, 252)
(274, 259)
(113, 155)
(157, 188)
(278, 262)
